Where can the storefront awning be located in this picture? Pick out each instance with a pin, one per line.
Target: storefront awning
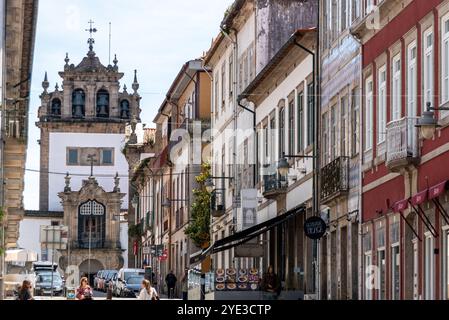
(438, 190)
(419, 198)
(400, 206)
(245, 235)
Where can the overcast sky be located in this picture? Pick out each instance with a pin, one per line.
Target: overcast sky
(155, 37)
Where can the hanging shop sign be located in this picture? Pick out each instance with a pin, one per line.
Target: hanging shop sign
(315, 228)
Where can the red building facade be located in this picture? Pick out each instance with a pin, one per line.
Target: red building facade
(405, 198)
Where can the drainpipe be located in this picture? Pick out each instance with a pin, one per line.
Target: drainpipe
(256, 142)
(2, 149)
(316, 168)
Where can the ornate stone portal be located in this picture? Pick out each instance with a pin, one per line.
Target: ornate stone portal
(93, 218)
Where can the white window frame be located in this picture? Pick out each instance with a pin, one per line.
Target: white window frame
(368, 113)
(429, 267)
(396, 94)
(395, 260)
(444, 63)
(381, 275)
(445, 265)
(428, 67)
(382, 105)
(411, 80)
(367, 263)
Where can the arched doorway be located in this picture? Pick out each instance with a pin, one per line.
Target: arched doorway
(89, 268)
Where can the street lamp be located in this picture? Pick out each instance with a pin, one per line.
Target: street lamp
(283, 165)
(135, 201)
(209, 183)
(428, 123)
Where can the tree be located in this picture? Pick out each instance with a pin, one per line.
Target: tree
(199, 227)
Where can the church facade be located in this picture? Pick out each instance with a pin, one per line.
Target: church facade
(83, 171)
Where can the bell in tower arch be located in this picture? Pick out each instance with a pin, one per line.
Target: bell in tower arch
(103, 104)
(78, 103)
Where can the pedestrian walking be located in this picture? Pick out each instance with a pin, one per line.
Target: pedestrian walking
(84, 291)
(25, 293)
(185, 285)
(109, 291)
(147, 292)
(171, 280)
(271, 285)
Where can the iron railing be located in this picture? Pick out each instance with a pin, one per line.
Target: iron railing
(274, 183)
(402, 140)
(335, 178)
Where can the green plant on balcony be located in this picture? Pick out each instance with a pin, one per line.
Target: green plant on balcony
(199, 226)
(135, 232)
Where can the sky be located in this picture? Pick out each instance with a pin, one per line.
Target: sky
(155, 37)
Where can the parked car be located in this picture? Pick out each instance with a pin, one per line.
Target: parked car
(132, 286)
(97, 279)
(110, 275)
(123, 277)
(44, 284)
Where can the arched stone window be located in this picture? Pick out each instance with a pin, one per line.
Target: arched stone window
(102, 104)
(91, 225)
(56, 108)
(78, 103)
(124, 109)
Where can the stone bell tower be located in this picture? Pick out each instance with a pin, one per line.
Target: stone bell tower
(84, 118)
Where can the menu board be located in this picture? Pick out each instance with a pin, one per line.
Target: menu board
(241, 280)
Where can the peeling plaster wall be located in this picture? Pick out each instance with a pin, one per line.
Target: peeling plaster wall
(276, 21)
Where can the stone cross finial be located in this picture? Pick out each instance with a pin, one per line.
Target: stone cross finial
(45, 83)
(135, 83)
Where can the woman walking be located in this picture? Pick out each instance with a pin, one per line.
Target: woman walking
(147, 292)
(25, 291)
(84, 292)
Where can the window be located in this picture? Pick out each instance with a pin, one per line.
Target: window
(395, 259)
(343, 15)
(428, 67)
(251, 63)
(223, 85)
(333, 132)
(445, 272)
(381, 260)
(124, 109)
(291, 127)
(310, 113)
(334, 20)
(411, 80)
(368, 275)
(382, 110)
(281, 131)
(102, 104)
(240, 79)
(266, 145)
(396, 89)
(369, 114)
(325, 138)
(216, 91)
(300, 126)
(355, 119)
(72, 157)
(355, 9)
(273, 138)
(107, 157)
(445, 60)
(429, 272)
(344, 125)
(245, 71)
(231, 76)
(78, 103)
(56, 107)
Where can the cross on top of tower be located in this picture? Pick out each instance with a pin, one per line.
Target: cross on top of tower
(91, 31)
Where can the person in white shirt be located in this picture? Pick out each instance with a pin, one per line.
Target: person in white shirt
(147, 292)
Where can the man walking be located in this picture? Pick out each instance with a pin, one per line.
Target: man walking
(171, 280)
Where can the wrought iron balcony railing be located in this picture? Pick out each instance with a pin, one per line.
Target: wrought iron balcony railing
(274, 185)
(335, 179)
(94, 244)
(402, 143)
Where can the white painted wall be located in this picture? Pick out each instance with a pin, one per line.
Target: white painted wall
(57, 163)
(124, 242)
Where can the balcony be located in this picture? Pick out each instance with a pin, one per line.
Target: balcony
(274, 186)
(335, 179)
(217, 203)
(402, 144)
(94, 244)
